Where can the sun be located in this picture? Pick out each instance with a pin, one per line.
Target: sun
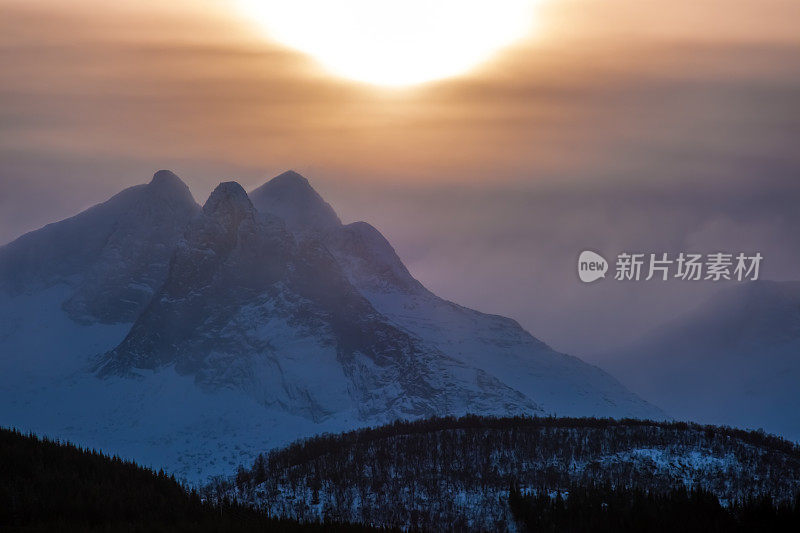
(394, 42)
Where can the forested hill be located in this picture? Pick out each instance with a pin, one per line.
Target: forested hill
(50, 486)
(457, 473)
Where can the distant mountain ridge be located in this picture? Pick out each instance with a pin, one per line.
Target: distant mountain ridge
(734, 360)
(255, 319)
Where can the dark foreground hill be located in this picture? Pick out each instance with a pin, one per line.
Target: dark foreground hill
(49, 486)
(468, 474)
(496, 474)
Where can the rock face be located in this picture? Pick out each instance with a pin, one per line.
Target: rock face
(115, 255)
(248, 307)
(290, 197)
(251, 322)
(557, 383)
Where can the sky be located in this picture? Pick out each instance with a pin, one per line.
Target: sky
(650, 125)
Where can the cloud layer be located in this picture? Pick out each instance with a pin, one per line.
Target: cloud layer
(648, 128)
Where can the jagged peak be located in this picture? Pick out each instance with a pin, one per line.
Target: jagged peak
(165, 177)
(228, 198)
(290, 178)
(289, 184)
(291, 197)
(167, 183)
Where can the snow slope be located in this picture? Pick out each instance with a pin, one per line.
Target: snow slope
(558, 383)
(247, 307)
(115, 254)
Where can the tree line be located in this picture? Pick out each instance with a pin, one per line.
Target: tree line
(456, 472)
(604, 509)
(47, 485)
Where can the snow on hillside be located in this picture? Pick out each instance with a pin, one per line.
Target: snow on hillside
(194, 339)
(456, 473)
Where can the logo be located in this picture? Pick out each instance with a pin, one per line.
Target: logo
(684, 266)
(591, 266)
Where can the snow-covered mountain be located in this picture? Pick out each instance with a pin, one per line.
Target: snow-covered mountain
(192, 338)
(734, 360)
(246, 306)
(114, 255)
(558, 383)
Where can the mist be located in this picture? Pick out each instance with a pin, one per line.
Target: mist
(636, 137)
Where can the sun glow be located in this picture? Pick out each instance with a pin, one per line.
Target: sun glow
(394, 42)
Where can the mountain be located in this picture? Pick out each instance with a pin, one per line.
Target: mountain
(402, 475)
(734, 360)
(191, 338)
(113, 255)
(558, 383)
(247, 307)
(290, 197)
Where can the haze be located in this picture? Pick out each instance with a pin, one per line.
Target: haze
(618, 125)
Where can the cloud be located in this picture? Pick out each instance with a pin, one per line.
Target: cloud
(488, 184)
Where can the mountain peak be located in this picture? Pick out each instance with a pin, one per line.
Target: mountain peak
(165, 177)
(167, 184)
(229, 199)
(291, 197)
(290, 178)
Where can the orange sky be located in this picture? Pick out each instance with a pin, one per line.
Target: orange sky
(197, 80)
(658, 107)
